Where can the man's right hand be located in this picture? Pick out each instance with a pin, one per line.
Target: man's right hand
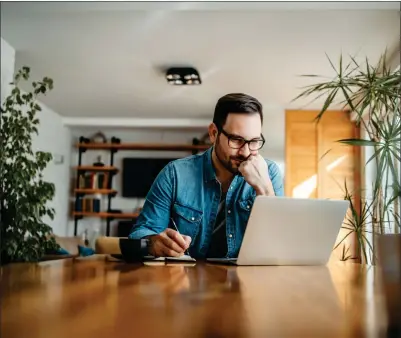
(168, 243)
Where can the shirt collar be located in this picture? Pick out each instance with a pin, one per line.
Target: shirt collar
(209, 173)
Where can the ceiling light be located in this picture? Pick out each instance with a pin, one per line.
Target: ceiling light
(183, 76)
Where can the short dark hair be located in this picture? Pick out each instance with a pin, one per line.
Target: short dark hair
(235, 103)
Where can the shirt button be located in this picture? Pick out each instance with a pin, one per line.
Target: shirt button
(229, 211)
(230, 235)
(231, 188)
(193, 218)
(247, 206)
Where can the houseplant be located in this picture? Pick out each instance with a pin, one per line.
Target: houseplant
(24, 194)
(372, 93)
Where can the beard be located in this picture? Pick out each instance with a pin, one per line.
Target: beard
(231, 163)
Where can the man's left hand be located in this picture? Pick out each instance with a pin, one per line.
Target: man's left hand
(255, 172)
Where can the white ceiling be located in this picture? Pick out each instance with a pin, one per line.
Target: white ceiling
(106, 58)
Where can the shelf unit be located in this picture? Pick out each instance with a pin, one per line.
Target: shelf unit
(95, 191)
(106, 215)
(83, 168)
(114, 146)
(142, 146)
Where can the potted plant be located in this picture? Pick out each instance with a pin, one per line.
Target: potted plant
(372, 93)
(25, 236)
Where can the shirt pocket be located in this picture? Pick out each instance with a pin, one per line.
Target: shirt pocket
(187, 219)
(246, 204)
(244, 210)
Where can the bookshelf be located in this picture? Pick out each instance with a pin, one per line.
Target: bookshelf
(142, 146)
(106, 215)
(94, 168)
(95, 191)
(108, 172)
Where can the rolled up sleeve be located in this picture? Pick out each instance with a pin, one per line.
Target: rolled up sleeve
(155, 215)
(276, 178)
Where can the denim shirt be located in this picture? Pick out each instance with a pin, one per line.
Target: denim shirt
(188, 191)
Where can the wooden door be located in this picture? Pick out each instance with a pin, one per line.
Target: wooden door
(317, 165)
(301, 152)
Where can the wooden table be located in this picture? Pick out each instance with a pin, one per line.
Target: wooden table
(101, 299)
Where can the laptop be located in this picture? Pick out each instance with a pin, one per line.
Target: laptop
(290, 231)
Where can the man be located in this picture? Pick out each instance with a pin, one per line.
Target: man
(208, 197)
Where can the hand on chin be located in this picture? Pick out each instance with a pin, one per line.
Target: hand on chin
(255, 172)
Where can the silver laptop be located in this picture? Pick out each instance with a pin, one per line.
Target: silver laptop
(290, 231)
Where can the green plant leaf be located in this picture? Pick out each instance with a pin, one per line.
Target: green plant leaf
(327, 104)
(358, 142)
(23, 188)
(373, 92)
(375, 155)
(343, 239)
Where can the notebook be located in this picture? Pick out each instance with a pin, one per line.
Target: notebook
(183, 258)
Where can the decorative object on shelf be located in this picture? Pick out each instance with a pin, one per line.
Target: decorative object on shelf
(25, 235)
(98, 162)
(372, 93)
(99, 137)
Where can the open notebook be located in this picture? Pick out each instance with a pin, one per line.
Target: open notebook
(183, 258)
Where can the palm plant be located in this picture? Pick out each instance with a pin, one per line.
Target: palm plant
(372, 94)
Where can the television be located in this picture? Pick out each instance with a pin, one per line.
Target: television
(139, 174)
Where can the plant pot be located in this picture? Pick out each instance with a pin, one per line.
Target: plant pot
(389, 255)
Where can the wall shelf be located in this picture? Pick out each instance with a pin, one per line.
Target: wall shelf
(142, 146)
(113, 147)
(95, 191)
(94, 168)
(105, 214)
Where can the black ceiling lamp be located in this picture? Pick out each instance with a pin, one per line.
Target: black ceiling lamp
(181, 76)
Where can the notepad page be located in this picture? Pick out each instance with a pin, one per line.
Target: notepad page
(185, 258)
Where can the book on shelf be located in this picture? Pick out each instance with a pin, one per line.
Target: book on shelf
(86, 204)
(93, 180)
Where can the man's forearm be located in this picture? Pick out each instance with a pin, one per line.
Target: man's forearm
(265, 189)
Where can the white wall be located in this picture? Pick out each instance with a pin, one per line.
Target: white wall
(274, 132)
(7, 68)
(127, 135)
(53, 137)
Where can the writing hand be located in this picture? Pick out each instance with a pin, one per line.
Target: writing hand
(168, 243)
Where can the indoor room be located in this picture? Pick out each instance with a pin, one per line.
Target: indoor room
(227, 169)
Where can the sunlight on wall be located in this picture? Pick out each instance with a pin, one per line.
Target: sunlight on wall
(305, 189)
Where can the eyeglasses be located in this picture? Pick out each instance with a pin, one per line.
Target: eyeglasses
(237, 142)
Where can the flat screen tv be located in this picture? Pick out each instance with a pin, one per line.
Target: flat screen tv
(139, 173)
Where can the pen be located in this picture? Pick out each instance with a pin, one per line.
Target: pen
(176, 228)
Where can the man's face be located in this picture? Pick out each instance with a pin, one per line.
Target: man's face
(246, 126)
